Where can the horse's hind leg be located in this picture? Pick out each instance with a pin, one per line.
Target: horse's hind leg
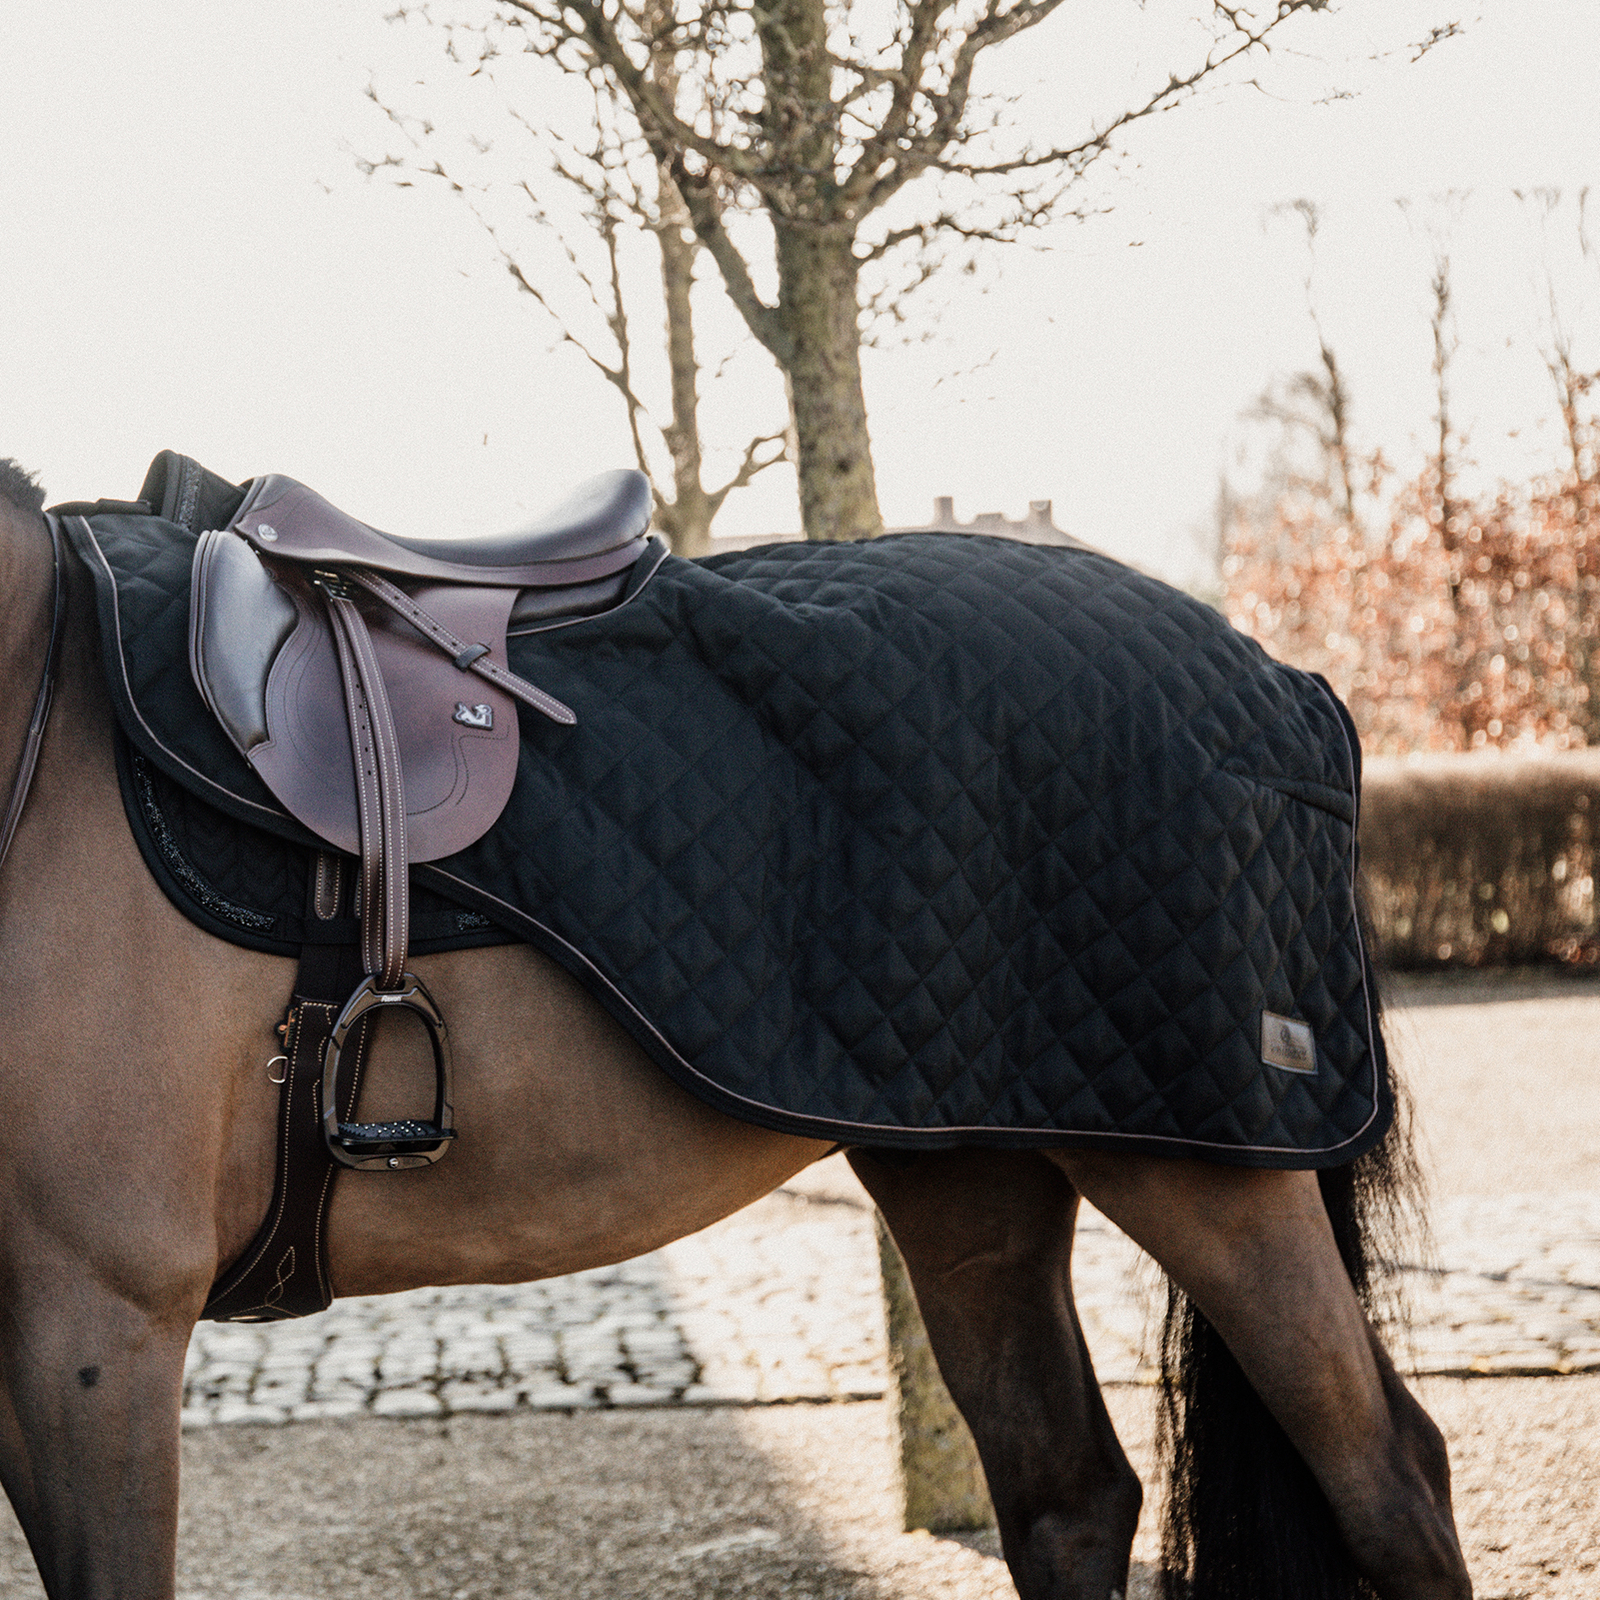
(987, 1241)
(1256, 1253)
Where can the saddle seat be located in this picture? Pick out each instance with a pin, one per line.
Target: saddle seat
(597, 530)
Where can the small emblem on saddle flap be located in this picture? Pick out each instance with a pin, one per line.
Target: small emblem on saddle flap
(1286, 1043)
(478, 716)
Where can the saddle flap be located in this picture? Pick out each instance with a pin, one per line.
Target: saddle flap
(239, 620)
(264, 658)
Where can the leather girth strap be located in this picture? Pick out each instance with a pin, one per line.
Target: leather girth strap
(283, 1272)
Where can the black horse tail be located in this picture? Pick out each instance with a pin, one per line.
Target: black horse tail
(1245, 1519)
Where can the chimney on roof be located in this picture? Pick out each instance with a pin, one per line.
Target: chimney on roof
(944, 511)
(1039, 512)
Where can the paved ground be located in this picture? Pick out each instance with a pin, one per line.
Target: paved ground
(749, 1503)
(781, 1302)
(628, 1460)
(1505, 1067)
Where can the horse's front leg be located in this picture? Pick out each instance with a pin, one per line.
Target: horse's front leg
(987, 1241)
(92, 1380)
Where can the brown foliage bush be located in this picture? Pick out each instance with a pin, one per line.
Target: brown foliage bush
(1454, 625)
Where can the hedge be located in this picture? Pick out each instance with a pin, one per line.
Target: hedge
(1483, 859)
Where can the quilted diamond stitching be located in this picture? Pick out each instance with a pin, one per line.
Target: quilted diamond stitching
(932, 833)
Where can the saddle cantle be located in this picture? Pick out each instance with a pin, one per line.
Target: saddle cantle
(597, 530)
(363, 676)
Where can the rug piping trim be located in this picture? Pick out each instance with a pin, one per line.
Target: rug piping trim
(717, 1095)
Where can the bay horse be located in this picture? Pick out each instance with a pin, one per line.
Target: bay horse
(138, 1162)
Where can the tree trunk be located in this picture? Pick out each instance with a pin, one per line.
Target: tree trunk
(687, 522)
(945, 1489)
(1443, 353)
(1339, 420)
(819, 310)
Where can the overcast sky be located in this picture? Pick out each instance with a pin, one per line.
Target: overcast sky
(190, 257)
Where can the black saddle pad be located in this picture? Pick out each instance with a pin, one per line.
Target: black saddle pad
(932, 840)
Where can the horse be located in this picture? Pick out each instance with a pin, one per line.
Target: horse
(138, 1153)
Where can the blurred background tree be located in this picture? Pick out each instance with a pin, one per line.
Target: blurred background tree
(1447, 619)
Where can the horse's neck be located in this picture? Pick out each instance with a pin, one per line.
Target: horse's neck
(25, 595)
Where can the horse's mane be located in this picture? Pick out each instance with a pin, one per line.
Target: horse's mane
(20, 490)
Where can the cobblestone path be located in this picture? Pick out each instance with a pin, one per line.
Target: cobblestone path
(782, 1303)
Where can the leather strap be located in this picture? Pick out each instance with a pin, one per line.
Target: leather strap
(468, 657)
(29, 760)
(283, 1272)
(380, 793)
(375, 748)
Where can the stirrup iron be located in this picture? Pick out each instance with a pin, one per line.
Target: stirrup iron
(388, 1146)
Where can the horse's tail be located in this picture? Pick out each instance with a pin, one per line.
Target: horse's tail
(1245, 1519)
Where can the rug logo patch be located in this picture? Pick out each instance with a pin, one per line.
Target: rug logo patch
(1286, 1043)
(479, 716)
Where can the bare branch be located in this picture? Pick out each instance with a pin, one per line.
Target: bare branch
(907, 79)
(705, 213)
(750, 467)
(1436, 36)
(948, 108)
(616, 376)
(1077, 157)
(596, 32)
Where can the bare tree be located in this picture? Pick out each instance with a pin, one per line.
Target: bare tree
(1316, 404)
(621, 191)
(1572, 382)
(855, 152)
(1438, 222)
(1441, 321)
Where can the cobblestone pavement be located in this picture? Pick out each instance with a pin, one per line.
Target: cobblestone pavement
(782, 1303)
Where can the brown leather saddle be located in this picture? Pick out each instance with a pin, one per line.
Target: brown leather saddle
(363, 675)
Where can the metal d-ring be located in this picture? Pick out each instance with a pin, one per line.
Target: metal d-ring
(272, 1063)
(388, 1146)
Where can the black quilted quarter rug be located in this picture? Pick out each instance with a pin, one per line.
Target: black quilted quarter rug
(932, 840)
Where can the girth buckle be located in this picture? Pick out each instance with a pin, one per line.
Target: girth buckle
(388, 1146)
